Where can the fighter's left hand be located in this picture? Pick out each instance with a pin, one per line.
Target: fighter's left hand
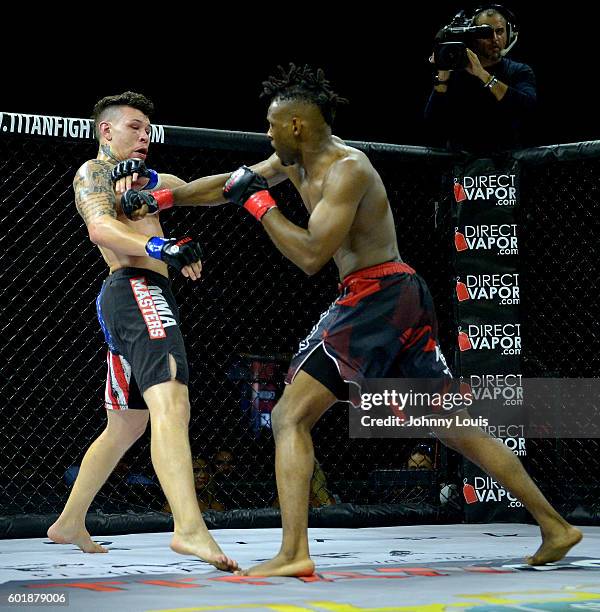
(192, 271)
(132, 174)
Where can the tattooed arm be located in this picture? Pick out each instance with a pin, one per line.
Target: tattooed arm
(96, 203)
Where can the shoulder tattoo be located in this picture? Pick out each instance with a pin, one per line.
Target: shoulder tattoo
(94, 195)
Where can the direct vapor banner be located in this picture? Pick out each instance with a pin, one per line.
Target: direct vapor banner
(486, 195)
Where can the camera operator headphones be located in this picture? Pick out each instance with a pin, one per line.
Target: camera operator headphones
(512, 26)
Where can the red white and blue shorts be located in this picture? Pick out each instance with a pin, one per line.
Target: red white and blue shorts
(140, 320)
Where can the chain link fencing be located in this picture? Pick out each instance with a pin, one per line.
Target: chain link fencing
(243, 321)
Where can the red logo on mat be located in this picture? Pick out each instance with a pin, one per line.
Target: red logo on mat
(147, 307)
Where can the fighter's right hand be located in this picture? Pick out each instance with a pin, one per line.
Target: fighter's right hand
(132, 173)
(178, 253)
(248, 189)
(133, 202)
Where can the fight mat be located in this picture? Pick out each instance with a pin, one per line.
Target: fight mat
(479, 568)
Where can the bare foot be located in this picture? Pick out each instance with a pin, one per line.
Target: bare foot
(278, 566)
(205, 548)
(74, 535)
(556, 545)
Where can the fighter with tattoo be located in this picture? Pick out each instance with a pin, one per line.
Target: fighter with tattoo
(147, 365)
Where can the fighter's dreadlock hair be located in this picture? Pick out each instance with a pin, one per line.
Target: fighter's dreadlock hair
(303, 83)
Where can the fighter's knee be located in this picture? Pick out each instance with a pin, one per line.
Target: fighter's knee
(288, 415)
(278, 418)
(175, 411)
(179, 410)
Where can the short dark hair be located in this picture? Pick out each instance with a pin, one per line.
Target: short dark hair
(304, 83)
(488, 12)
(127, 98)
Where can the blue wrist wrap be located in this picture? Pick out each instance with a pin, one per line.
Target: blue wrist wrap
(154, 246)
(153, 180)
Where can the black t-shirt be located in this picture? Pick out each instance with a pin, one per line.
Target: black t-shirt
(469, 117)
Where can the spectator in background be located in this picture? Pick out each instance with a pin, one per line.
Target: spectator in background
(224, 464)
(319, 494)
(203, 484)
(486, 106)
(225, 480)
(414, 490)
(422, 457)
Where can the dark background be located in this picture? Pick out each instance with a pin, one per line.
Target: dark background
(205, 70)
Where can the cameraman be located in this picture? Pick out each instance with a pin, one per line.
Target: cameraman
(485, 106)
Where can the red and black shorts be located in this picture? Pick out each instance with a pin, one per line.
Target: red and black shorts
(383, 325)
(140, 320)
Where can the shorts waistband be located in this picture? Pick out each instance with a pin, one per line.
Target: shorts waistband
(155, 277)
(376, 271)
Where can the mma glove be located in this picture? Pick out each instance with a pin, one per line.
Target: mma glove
(129, 167)
(176, 253)
(250, 190)
(133, 200)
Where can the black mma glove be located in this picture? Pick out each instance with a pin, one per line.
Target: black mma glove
(176, 253)
(133, 200)
(131, 166)
(250, 190)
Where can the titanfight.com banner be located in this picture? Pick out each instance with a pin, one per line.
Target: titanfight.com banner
(536, 407)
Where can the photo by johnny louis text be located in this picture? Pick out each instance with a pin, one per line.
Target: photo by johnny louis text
(398, 402)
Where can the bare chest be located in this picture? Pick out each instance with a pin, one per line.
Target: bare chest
(150, 224)
(311, 191)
